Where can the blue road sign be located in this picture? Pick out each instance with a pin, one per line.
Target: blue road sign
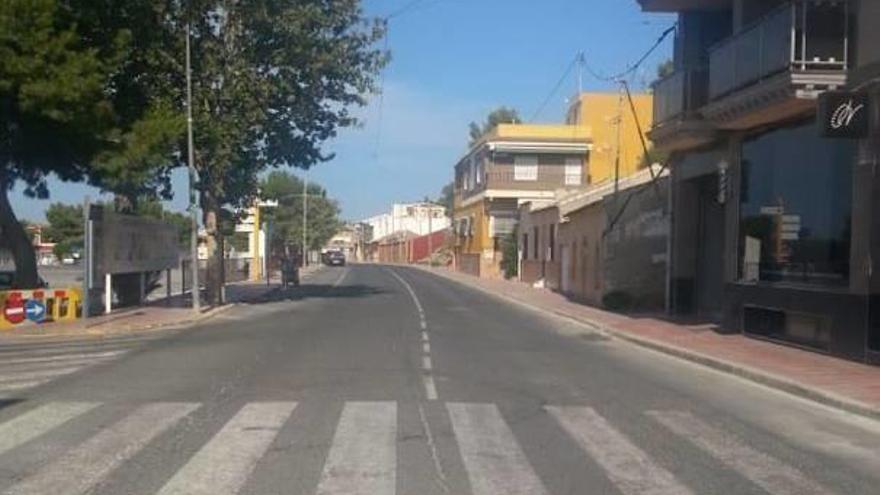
(35, 310)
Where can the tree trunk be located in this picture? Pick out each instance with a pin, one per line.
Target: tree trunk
(212, 274)
(14, 237)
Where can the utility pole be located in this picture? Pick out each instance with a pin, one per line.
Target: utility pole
(305, 219)
(194, 222)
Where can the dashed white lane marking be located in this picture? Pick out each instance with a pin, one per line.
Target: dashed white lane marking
(430, 386)
(627, 466)
(414, 297)
(493, 459)
(81, 468)
(427, 367)
(223, 465)
(341, 278)
(765, 471)
(432, 447)
(363, 455)
(34, 423)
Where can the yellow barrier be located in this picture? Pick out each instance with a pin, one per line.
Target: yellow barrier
(38, 306)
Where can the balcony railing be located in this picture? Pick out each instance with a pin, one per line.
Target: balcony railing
(547, 178)
(680, 93)
(800, 35)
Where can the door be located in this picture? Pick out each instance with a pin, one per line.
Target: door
(566, 268)
(710, 250)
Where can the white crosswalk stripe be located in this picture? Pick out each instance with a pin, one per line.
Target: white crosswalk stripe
(24, 366)
(224, 463)
(765, 471)
(492, 457)
(627, 466)
(363, 456)
(34, 423)
(78, 470)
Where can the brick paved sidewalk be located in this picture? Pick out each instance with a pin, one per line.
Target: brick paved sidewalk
(832, 381)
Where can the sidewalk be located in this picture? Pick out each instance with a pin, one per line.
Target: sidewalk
(157, 314)
(843, 384)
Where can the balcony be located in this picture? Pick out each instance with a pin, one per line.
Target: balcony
(677, 99)
(548, 178)
(773, 69)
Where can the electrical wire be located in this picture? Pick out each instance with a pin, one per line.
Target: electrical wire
(635, 66)
(555, 89)
(406, 8)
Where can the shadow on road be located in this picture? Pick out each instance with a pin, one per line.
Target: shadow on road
(316, 291)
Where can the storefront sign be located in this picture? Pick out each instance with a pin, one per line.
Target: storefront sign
(844, 114)
(722, 182)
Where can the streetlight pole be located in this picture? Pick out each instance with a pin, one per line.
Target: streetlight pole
(194, 222)
(305, 195)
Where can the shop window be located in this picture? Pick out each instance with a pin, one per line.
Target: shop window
(796, 206)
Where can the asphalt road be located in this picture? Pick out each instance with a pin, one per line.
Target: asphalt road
(381, 380)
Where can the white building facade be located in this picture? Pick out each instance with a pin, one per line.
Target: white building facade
(418, 218)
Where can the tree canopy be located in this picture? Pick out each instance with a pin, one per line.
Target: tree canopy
(94, 90)
(501, 115)
(74, 104)
(323, 213)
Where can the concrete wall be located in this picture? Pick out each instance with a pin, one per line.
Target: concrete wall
(539, 265)
(582, 235)
(635, 246)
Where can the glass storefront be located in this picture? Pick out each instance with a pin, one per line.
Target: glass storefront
(796, 206)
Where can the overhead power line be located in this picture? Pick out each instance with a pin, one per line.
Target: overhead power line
(635, 66)
(406, 8)
(578, 58)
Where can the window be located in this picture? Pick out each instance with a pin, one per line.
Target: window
(573, 171)
(525, 168)
(551, 246)
(478, 170)
(537, 243)
(796, 207)
(525, 246)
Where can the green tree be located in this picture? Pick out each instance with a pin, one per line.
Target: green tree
(273, 80)
(65, 228)
(72, 101)
(287, 190)
(510, 255)
(501, 115)
(665, 69)
(152, 208)
(447, 198)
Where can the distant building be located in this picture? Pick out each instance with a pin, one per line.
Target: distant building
(516, 164)
(419, 218)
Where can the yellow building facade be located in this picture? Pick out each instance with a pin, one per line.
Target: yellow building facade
(614, 128)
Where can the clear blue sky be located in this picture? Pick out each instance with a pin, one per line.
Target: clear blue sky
(453, 62)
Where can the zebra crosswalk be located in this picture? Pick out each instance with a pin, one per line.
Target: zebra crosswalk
(360, 456)
(28, 365)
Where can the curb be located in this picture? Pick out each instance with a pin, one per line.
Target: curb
(742, 371)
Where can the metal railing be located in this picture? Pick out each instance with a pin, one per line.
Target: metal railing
(679, 93)
(800, 35)
(547, 178)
